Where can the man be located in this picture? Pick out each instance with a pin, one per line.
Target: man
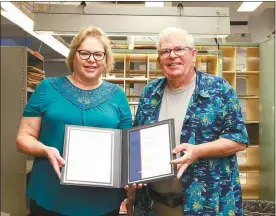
(209, 131)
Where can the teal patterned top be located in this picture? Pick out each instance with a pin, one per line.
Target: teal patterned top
(59, 102)
(210, 186)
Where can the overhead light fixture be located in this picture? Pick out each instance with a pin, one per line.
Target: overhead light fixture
(249, 6)
(210, 36)
(15, 15)
(154, 4)
(130, 40)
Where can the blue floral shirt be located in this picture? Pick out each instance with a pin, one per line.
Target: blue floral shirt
(210, 186)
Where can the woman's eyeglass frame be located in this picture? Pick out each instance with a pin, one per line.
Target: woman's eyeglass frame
(94, 54)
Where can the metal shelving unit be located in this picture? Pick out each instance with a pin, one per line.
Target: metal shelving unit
(15, 166)
(13, 99)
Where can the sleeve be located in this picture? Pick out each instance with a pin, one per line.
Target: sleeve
(233, 126)
(126, 117)
(139, 113)
(36, 104)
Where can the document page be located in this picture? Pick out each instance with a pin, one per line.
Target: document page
(155, 151)
(90, 156)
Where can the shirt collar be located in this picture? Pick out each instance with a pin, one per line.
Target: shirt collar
(200, 88)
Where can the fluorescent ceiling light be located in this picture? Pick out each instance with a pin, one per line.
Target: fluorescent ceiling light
(130, 42)
(249, 6)
(19, 18)
(154, 4)
(210, 36)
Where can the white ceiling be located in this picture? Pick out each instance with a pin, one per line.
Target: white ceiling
(234, 15)
(233, 5)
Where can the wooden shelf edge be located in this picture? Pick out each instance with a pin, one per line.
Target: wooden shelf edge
(251, 122)
(115, 79)
(30, 89)
(248, 73)
(249, 97)
(229, 72)
(253, 146)
(116, 71)
(249, 197)
(133, 96)
(33, 69)
(35, 55)
(136, 79)
(133, 103)
(137, 71)
(29, 165)
(249, 168)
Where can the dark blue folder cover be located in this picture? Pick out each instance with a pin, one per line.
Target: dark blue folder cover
(135, 152)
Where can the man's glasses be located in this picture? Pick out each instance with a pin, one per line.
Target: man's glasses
(178, 50)
(85, 55)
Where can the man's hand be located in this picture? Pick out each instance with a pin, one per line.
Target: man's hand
(190, 156)
(55, 159)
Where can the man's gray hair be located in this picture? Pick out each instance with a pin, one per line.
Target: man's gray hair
(175, 31)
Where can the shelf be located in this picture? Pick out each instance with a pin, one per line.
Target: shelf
(133, 103)
(34, 56)
(206, 58)
(155, 72)
(30, 89)
(249, 188)
(251, 122)
(136, 80)
(250, 197)
(29, 165)
(229, 72)
(248, 73)
(133, 96)
(253, 146)
(136, 71)
(115, 80)
(249, 97)
(117, 71)
(35, 70)
(137, 58)
(249, 168)
(118, 57)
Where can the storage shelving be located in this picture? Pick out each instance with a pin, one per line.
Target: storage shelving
(241, 70)
(35, 66)
(134, 70)
(19, 66)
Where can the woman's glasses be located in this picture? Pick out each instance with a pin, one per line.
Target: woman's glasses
(85, 55)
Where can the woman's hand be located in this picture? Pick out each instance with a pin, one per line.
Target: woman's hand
(55, 159)
(131, 196)
(133, 186)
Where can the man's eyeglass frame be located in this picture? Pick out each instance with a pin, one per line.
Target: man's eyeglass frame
(183, 48)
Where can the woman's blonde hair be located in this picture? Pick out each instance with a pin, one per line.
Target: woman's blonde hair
(95, 32)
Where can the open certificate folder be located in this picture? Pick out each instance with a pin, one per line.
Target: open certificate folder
(104, 157)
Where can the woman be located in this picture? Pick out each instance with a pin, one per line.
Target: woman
(79, 99)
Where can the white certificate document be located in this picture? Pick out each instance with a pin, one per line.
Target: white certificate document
(155, 151)
(89, 156)
(113, 158)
